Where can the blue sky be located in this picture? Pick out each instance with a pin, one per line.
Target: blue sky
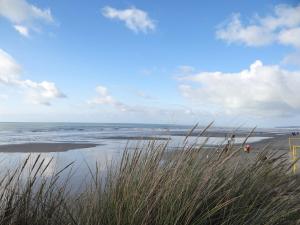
(150, 61)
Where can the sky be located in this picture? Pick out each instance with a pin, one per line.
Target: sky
(233, 62)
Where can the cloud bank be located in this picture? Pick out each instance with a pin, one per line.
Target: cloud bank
(24, 16)
(37, 93)
(261, 90)
(135, 19)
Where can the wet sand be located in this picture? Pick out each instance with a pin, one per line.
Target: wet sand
(44, 147)
(279, 143)
(220, 133)
(274, 141)
(136, 138)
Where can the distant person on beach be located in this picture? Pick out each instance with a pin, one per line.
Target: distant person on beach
(230, 143)
(231, 140)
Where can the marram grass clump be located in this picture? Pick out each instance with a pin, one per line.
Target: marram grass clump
(150, 187)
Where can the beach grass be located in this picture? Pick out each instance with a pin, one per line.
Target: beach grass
(148, 186)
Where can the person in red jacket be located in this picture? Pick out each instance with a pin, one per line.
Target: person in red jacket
(247, 148)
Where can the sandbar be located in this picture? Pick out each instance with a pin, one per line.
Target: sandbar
(44, 147)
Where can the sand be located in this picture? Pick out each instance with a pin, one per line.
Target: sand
(136, 138)
(44, 147)
(280, 143)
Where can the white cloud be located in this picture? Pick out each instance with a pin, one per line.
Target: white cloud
(290, 37)
(260, 90)
(9, 69)
(281, 27)
(293, 58)
(24, 15)
(252, 35)
(104, 98)
(283, 16)
(43, 92)
(38, 93)
(22, 30)
(135, 19)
